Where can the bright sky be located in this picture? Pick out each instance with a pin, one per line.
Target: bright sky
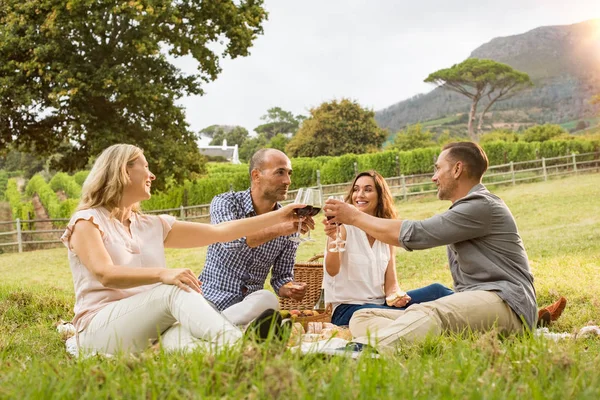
(374, 51)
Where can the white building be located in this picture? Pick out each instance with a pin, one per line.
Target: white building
(230, 153)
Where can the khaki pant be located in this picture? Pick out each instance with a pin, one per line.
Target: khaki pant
(475, 310)
(184, 319)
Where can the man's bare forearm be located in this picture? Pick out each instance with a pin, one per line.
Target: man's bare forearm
(384, 230)
(263, 236)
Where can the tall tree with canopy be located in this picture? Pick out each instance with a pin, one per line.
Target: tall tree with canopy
(279, 121)
(478, 79)
(336, 128)
(79, 75)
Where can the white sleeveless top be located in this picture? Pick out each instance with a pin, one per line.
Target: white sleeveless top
(362, 271)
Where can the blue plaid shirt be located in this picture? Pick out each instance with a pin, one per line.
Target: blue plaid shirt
(233, 270)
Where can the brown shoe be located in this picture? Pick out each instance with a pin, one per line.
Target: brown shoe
(543, 318)
(555, 309)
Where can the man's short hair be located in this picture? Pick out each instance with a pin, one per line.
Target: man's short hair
(471, 154)
(258, 159)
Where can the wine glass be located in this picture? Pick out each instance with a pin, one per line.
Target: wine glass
(300, 212)
(314, 199)
(338, 244)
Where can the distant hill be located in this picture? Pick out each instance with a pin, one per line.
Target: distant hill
(563, 62)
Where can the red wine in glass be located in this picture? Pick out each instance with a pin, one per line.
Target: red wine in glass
(305, 211)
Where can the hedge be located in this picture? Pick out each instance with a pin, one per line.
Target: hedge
(341, 169)
(19, 208)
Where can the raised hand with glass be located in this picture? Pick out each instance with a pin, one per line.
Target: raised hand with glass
(312, 199)
(338, 244)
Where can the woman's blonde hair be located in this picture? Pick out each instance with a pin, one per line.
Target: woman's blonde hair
(105, 184)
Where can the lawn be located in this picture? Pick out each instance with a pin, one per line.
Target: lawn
(560, 224)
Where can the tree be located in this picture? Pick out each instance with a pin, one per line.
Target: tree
(250, 146)
(234, 135)
(278, 142)
(413, 137)
(337, 128)
(477, 79)
(279, 121)
(541, 133)
(81, 75)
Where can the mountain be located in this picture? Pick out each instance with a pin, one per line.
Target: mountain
(563, 62)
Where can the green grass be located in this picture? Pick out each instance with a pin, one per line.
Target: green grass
(440, 121)
(572, 124)
(559, 221)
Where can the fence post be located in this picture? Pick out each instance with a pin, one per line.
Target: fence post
(319, 181)
(230, 187)
(181, 213)
(397, 165)
(544, 169)
(355, 168)
(574, 162)
(19, 238)
(403, 186)
(512, 172)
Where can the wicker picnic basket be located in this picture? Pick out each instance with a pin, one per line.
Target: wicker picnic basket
(311, 273)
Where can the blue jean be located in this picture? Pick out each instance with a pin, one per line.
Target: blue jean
(343, 312)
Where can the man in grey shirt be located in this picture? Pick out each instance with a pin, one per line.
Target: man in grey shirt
(489, 265)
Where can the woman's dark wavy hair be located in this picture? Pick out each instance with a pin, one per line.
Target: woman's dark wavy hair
(385, 204)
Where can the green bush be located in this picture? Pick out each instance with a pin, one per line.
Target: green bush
(419, 161)
(339, 169)
(384, 163)
(67, 184)
(54, 208)
(503, 135)
(219, 168)
(3, 183)
(541, 133)
(80, 177)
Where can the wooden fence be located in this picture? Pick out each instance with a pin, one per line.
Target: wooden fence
(20, 234)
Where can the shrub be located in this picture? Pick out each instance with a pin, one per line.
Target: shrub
(80, 177)
(37, 185)
(541, 133)
(3, 183)
(67, 184)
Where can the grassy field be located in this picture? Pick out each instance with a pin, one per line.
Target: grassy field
(560, 224)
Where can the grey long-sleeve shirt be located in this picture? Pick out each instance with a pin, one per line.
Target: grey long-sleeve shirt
(485, 250)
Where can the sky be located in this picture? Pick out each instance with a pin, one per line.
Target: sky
(377, 52)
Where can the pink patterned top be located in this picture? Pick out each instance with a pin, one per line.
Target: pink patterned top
(142, 249)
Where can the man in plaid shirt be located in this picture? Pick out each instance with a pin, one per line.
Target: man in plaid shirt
(235, 272)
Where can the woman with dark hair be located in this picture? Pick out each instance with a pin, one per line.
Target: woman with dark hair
(364, 275)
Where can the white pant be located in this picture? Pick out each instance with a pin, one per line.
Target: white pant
(185, 319)
(251, 307)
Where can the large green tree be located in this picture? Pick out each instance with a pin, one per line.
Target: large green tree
(279, 121)
(478, 79)
(413, 137)
(233, 134)
(79, 75)
(335, 128)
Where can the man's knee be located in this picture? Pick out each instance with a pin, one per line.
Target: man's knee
(358, 322)
(267, 299)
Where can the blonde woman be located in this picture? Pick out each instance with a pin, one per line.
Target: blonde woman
(125, 297)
